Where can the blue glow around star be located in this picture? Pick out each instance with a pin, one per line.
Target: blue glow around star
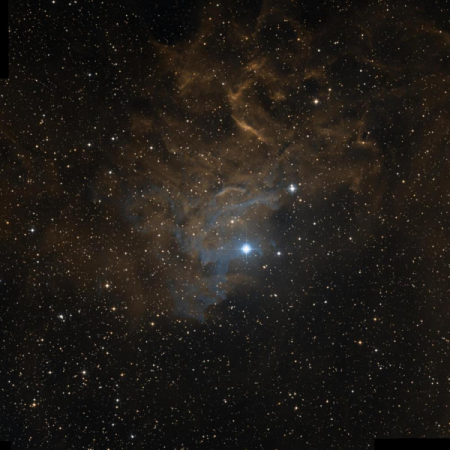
(246, 249)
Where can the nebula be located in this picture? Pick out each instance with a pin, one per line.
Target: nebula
(221, 140)
(225, 224)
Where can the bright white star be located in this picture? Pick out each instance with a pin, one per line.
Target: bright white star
(246, 249)
(292, 188)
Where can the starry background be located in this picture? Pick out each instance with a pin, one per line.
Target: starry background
(143, 144)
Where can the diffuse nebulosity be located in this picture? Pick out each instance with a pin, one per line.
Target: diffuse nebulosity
(205, 136)
(225, 224)
(245, 110)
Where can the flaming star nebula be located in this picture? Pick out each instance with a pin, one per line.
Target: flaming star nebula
(225, 225)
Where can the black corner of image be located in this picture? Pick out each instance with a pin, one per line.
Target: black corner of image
(4, 41)
(5, 445)
(428, 444)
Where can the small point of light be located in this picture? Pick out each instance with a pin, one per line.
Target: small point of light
(316, 101)
(292, 188)
(246, 249)
(32, 230)
(278, 253)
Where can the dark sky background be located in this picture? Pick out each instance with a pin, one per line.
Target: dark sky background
(143, 144)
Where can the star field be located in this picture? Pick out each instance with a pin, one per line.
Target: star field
(225, 225)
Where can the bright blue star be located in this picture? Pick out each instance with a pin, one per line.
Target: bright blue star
(246, 249)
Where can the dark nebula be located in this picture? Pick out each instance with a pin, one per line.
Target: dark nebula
(144, 144)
